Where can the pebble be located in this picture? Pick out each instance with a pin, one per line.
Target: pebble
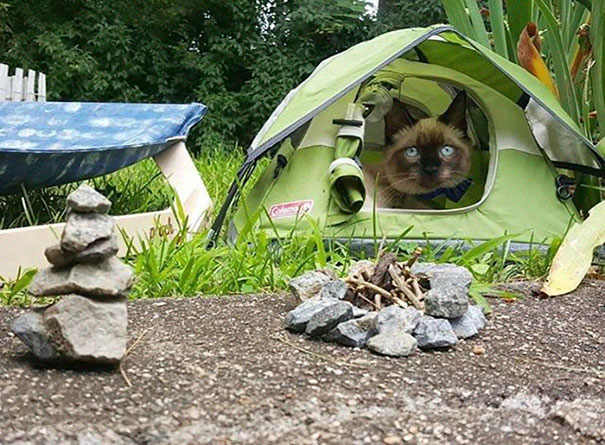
(393, 344)
(308, 285)
(328, 318)
(434, 333)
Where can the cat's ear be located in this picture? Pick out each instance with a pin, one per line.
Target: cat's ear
(397, 118)
(455, 115)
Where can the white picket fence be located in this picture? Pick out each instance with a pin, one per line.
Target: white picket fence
(18, 87)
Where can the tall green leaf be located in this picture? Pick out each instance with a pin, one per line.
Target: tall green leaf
(496, 18)
(457, 16)
(597, 37)
(565, 84)
(519, 15)
(477, 23)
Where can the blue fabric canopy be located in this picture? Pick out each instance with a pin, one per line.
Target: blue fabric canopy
(51, 143)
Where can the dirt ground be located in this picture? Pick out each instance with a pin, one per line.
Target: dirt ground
(222, 370)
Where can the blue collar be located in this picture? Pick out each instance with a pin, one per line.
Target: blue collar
(452, 193)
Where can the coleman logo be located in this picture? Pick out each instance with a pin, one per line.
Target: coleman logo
(290, 209)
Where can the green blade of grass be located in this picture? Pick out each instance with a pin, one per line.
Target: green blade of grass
(486, 247)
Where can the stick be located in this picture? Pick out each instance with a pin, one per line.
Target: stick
(367, 300)
(417, 290)
(404, 288)
(598, 373)
(378, 301)
(124, 376)
(315, 354)
(415, 255)
(370, 286)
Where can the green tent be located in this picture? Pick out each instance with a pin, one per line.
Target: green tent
(527, 148)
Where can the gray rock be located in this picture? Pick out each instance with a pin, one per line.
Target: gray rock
(395, 318)
(470, 323)
(446, 301)
(365, 266)
(109, 278)
(443, 275)
(297, 319)
(97, 251)
(308, 285)
(29, 328)
(355, 332)
(434, 333)
(336, 289)
(327, 319)
(359, 312)
(84, 229)
(82, 329)
(393, 344)
(85, 199)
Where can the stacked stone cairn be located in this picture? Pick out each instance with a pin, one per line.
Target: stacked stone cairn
(436, 316)
(89, 322)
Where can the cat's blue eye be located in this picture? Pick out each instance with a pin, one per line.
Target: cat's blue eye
(446, 150)
(411, 152)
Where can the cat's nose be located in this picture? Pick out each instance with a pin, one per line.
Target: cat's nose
(430, 170)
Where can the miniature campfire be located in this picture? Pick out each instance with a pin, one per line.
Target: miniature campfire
(391, 307)
(387, 282)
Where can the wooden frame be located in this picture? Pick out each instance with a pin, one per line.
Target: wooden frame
(23, 248)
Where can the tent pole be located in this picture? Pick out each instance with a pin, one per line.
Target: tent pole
(243, 174)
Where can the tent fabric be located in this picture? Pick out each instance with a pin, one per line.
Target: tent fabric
(343, 72)
(51, 143)
(346, 178)
(517, 118)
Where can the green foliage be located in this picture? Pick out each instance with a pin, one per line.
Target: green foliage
(238, 57)
(559, 24)
(255, 263)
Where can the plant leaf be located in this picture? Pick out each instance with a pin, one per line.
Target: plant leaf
(528, 52)
(574, 257)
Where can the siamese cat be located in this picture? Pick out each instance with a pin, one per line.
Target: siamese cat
(422, 159)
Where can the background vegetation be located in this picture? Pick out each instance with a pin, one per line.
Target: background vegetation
(239, 57)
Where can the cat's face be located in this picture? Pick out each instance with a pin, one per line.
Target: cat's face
(430, 153)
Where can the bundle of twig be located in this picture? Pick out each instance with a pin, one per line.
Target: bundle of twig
(385, 283)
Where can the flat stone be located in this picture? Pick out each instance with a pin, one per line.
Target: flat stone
(446, 301)
(443, 275)
(296, 320)
(336, 289)
(393, 344)
(470, 323)
(84, 229)
(355, 332)
(29, 328)
(85, 199)
(308, 285)
(109, 278)
(82, 329)
(329, 317)
(395, 318)
(97, 251)
(434, 333)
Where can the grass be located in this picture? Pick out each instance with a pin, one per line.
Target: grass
(255, 263)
